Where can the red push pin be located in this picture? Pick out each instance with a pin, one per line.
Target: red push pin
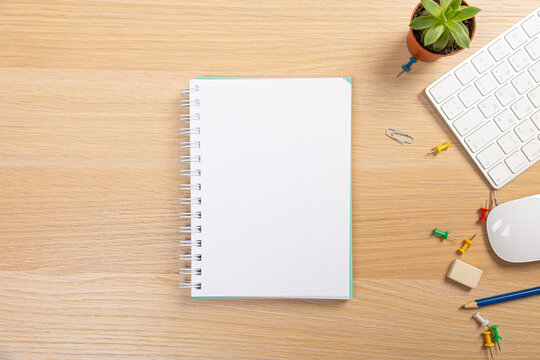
(484, 211)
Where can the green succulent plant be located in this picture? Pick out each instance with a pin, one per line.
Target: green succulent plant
(442, 24)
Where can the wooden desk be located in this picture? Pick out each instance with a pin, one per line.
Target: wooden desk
(89, 180)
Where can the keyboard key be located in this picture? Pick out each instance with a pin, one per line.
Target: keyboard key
(466, 73)
(534, 96)
(486, 84)
(452, 108)
(481, 137)
(445, 88)
(489, 106)
(532, 149)
(533, 48)
(505, 120)
(521, 108)
(516, 161)
(468, 121)
(522, 82)
(499, 173)
(490, 156)
(506, 94)
(469, 96)
(482, 61)
(516, 38)
(519, 60)
(531, 25)
(502, 72)
(499, 49)
(525, 130)
(492, 101)
(508, 142)
(535, 71)
(536, 119)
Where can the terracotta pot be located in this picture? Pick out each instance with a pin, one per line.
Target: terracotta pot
(422, 54)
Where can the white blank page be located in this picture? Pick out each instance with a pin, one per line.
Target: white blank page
(275, 187)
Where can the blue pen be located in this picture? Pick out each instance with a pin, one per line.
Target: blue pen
(500, 298)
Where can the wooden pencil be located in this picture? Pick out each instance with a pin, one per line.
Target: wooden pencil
(500, 298)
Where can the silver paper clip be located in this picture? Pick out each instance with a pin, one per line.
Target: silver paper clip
(405, 139)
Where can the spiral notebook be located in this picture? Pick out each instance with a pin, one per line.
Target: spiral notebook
(270, 188)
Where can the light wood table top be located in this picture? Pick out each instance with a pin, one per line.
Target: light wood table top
(89, 167)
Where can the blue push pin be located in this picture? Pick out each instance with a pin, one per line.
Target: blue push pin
(407, 67)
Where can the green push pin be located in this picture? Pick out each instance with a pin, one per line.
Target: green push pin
(442, 234)
(496, 336)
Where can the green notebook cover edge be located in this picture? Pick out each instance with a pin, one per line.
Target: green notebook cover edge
(351, 243)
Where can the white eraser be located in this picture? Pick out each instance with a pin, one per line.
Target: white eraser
(464, 273)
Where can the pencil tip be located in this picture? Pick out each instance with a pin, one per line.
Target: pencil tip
(462, 307)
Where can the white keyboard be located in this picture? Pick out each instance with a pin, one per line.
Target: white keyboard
(491, 101)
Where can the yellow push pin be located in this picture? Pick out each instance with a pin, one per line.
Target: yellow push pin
(438, 149)
(466, 244)
(487, 341)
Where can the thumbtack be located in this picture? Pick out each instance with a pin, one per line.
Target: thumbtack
(496, 336)
(494, 198)
(407, 66)
(438, 149)
(466, 244)
(484, 211)
(480, 319)
(442, 234)
(487, 341)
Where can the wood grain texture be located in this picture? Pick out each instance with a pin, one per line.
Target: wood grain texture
(89, 127)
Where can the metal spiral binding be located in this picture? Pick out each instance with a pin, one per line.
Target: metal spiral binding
(190, 173)
(191, 201)
(190, 187)
(193, 187)
(190, 131)
(190, 285)
(191, 243)
(190, 145)
(189, 103)
(187, 91)
(190, 229)
(193, 215)
(190, 159)
(190, 118)
(190, 271)
(190, 257)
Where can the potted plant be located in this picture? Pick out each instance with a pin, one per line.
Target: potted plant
(441, 28)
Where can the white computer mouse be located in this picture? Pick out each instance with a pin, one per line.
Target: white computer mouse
(514, 229)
